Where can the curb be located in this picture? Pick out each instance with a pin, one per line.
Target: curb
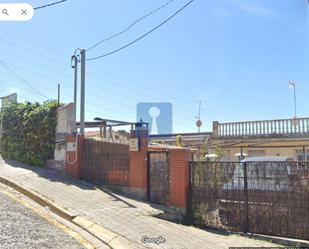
(110, 238)
(279, 240)
(113, 240)
(65, 214)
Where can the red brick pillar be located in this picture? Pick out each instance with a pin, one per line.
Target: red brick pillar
(179, 177)
(139, 165)
(74, 155)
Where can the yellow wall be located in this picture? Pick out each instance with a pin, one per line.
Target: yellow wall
(229, 154)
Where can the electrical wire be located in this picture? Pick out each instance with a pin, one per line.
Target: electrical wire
(100, 70)
(9, 69)
(144, 35)
(5, 84)
(130, 26)
(215, 114)
(112, 100)
(50, 90)
(89, 83)
(49, 5)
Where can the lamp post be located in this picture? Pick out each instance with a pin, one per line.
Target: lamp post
(293, 85)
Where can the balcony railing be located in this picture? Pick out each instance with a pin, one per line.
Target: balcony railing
(263, 127)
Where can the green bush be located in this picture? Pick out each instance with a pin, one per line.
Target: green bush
(29, 131)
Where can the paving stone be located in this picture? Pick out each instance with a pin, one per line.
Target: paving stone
(114, 214)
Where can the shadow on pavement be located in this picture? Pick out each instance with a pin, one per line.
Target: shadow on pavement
(50, 174)
(58, 176)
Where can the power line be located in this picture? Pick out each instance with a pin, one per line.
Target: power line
(130, 26)
(32, 51)
(32, 43)
(49, 5)
(141, 37)
(215, 114)
(21, 79)
(97, 95)
(94, 85)
(88, 110)
(55, 80)
(97, 69)
(113, 100)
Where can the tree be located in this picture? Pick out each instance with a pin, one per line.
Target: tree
(203, 152)
(29, 131)
(179, 141)
(219, 152)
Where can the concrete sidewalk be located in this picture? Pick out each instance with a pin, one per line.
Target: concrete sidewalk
(128, 218)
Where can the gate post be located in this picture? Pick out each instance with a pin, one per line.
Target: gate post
(246, 215)
(139, 162)
(179, 178)
(189, 206)
(74, 155)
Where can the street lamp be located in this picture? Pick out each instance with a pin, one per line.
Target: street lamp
(293, 85)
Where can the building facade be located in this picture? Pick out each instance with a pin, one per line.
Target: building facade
(282, 137)
(236, 140)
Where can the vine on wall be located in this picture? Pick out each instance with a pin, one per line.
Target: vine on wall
(29, 131)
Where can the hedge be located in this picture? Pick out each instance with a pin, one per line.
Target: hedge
(29, 131)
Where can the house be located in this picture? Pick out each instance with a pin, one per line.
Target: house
(280, 137)
(192, 140)
(236, 140)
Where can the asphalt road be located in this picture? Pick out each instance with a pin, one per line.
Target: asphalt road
(20, 227)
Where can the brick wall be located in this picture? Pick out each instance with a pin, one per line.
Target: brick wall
(179, 177)
(138, 169)
(73, 164)
(139, 166)
(136, 172)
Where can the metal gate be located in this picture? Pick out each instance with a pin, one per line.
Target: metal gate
(158, 177)
(258, 197)
(105, 162)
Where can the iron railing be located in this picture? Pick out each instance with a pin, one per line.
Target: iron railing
(258, 197)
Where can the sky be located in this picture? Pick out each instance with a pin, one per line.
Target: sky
(236, 56)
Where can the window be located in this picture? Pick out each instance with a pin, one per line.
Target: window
(300, 156)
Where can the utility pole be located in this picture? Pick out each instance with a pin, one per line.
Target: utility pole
(58, 94)
(199, 108)
(75, 60)
(82, 91)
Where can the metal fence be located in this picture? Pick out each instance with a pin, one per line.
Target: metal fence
(257, 197)
(106, 159)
